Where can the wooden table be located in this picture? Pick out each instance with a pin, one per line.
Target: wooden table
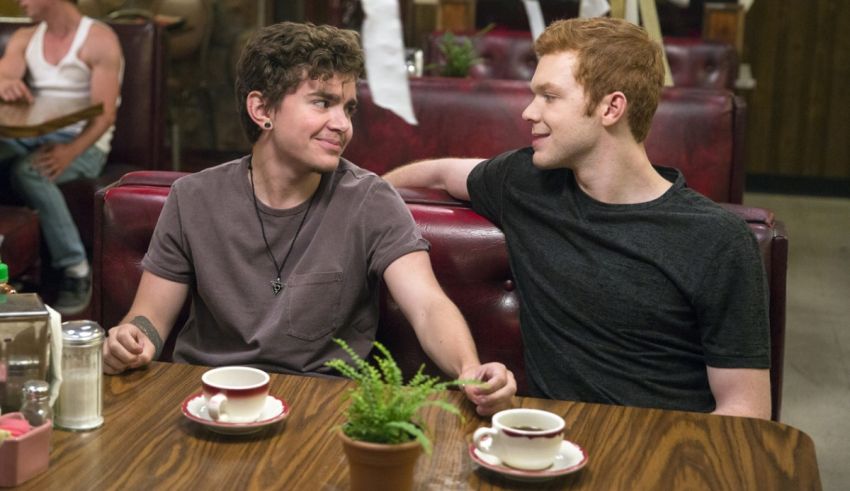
(44, 115)
(147, 443)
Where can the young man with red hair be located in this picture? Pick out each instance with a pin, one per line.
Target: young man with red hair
(635, 290)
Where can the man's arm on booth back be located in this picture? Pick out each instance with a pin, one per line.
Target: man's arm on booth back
(447, 174)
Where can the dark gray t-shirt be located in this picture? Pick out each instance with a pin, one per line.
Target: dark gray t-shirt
(625, 304)
(208, 236)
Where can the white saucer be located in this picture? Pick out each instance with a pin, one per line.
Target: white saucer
(570, 458)
(195, 409)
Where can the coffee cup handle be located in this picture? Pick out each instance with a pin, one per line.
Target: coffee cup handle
(479, 434)
(214, 405)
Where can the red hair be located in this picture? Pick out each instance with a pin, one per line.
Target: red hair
(613, 55)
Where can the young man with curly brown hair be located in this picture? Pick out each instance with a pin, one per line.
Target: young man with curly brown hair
(283, 250)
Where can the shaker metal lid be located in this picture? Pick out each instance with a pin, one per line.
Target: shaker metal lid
(36, 387)
(81, 332)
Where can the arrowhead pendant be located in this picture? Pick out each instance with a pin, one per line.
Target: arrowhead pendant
(276, 285)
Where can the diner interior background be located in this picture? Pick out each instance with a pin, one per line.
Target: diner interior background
(797, 149)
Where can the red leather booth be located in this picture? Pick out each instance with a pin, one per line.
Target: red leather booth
(139, 126)
(468, 253)
(510, 55)
(698, 131)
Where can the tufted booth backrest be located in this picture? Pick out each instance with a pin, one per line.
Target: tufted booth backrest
(468, 254)
(510, 55)
(698, 131)
(140, 123)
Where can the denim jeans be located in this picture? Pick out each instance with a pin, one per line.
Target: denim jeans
(60, 232)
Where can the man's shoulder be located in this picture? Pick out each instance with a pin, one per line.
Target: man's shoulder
(357, 179)
(102, 30)
(101, 44)
(21, 37)
(512, 161)
(708, 217)
(353, 171)
(513, 157)
(363, 189)
(209, 180)
(26, 31)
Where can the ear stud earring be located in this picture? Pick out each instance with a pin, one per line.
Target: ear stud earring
(267, 125)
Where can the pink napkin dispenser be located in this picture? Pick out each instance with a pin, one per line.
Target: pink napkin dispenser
(25, 456)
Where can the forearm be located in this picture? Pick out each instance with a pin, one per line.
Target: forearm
(140, 337)
(91, 133)
(438, 323)
(162, 326)
(445, 337)
(159, 300)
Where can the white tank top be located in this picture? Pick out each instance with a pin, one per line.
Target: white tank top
(71, 77)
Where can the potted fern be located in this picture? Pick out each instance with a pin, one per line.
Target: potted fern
(383, 436)
(458, 54)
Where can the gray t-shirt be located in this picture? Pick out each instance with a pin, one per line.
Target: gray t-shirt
(208, 236)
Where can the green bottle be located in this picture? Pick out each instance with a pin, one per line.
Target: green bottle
(5, 287)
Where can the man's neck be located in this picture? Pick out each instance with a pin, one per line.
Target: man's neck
(278, 186)
(621, 175)
(63, 19)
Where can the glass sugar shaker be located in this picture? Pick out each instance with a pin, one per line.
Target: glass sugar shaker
(80, 400)
(36, 406)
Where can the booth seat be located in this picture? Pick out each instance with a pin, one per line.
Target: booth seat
(510, 55)
(698, 131)
(139, 126)
(468, 254)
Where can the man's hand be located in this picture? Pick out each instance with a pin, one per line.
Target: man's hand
(126, 347)
(497, 391)
(12, 90)
(52, 159)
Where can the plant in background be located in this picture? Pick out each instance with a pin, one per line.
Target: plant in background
(383, 408)
(459, 54)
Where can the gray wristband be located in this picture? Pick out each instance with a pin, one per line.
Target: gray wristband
(146, 327)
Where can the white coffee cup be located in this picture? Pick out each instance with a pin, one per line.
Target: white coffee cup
(528, 439)
(235, 394)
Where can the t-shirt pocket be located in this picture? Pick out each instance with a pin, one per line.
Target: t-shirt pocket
(313, 301)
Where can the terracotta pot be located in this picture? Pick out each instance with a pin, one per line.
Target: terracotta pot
(379, 466)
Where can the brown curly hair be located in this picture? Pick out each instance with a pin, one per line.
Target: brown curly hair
(613, 55)
(278, 57)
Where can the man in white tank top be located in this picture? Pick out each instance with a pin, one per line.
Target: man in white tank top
(64, 55)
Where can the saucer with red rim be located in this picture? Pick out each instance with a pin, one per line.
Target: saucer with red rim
(194, 407)
(570, 458)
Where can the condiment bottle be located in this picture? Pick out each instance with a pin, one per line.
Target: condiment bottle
(80, 401)
(5, 287)
(36, 407)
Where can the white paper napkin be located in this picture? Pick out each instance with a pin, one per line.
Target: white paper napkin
(55, 370)
(385, 65)
(535, 17)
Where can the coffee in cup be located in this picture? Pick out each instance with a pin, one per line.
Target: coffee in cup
(528, 439)
(235, 394)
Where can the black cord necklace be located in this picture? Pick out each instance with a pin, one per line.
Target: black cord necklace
(277, 286)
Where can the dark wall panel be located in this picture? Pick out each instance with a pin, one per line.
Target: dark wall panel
(800, 53)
